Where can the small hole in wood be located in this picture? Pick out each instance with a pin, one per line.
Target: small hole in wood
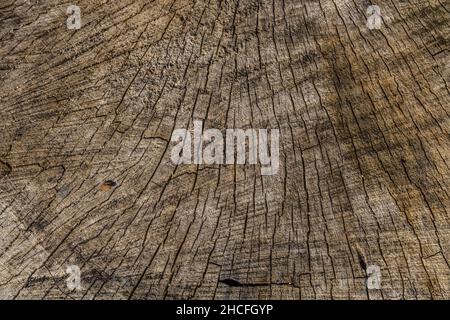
(108, 185)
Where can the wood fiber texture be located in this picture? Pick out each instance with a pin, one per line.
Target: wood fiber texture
(86, 177)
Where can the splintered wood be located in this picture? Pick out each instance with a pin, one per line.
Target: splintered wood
(92, 205)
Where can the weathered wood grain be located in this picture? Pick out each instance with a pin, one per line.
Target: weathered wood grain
(86, 177)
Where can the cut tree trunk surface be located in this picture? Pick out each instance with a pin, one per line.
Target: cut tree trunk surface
(86, 177)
